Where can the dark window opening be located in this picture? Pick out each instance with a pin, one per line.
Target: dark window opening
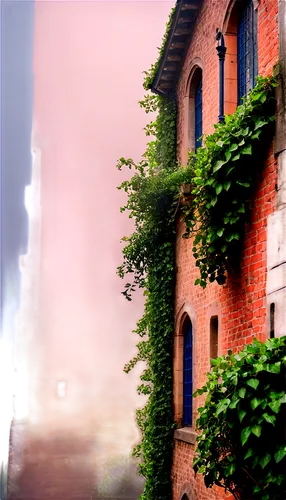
(214, 337)
(247, 62)
(272, 320)
(188, 377)
(198, 114)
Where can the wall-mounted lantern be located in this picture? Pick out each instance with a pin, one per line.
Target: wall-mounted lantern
(221, 50)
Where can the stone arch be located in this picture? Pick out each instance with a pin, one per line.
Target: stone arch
(195, 75)
(186, 491)
(185, 310)
(230, 30)
(195, 64)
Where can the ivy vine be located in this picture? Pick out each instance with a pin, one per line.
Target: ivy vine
(148, 258)
(241, 446)
(224, 176)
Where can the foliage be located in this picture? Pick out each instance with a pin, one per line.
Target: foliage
(120, 479)
(242, 442)
(221, 175)
(148, 258)
(225, 170)
(150, 75)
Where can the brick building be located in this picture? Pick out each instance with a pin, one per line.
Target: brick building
(211, 321)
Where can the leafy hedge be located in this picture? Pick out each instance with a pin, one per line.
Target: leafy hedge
(242, 445)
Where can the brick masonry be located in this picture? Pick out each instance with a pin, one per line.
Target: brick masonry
(240, 304)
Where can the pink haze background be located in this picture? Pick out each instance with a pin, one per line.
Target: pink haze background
(74, 325)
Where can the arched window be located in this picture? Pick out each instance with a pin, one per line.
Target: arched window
(195, 110)
(241, 61)
(188, 374)
(247, 64)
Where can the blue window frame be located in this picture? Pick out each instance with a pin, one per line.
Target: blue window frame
(198, 114)
(247, 62)
(188, 377)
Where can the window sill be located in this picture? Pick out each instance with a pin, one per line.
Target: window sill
(186, 434)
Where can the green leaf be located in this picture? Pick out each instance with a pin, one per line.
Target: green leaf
(229, 469)
(218, 189)
(218, 165)
(256, 134)
(275, 406)
(234, 403)
(241, 210)
(242, 392)
(256, 430)
(241, 415)
(283, 399)
(244, 184)
(259, 124)
(249, 453)
(253, 382)
(274, 368)
(227, 155)
(233, 147)
(222, 406)
(236, 157)
(220, 232)
(247, 150)
(244, 435)
(229, 238)
(213, 201)
(227, 185)
(265, 460)
(280, 454)
(270, 419)
(255, 402)
(245, 131)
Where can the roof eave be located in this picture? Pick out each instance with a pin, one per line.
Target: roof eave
(168, 71)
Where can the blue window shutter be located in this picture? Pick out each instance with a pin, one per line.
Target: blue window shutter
(198, 114)
(188, 378)
(247, 62)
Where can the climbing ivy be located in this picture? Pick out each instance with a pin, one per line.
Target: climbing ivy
(221, 176)
(148, 258)
(241, 446)
(225, 172)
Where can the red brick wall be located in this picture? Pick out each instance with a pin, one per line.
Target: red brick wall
(241, 303)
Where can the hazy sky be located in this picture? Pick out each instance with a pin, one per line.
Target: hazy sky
(16, 41)
(17, 81)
